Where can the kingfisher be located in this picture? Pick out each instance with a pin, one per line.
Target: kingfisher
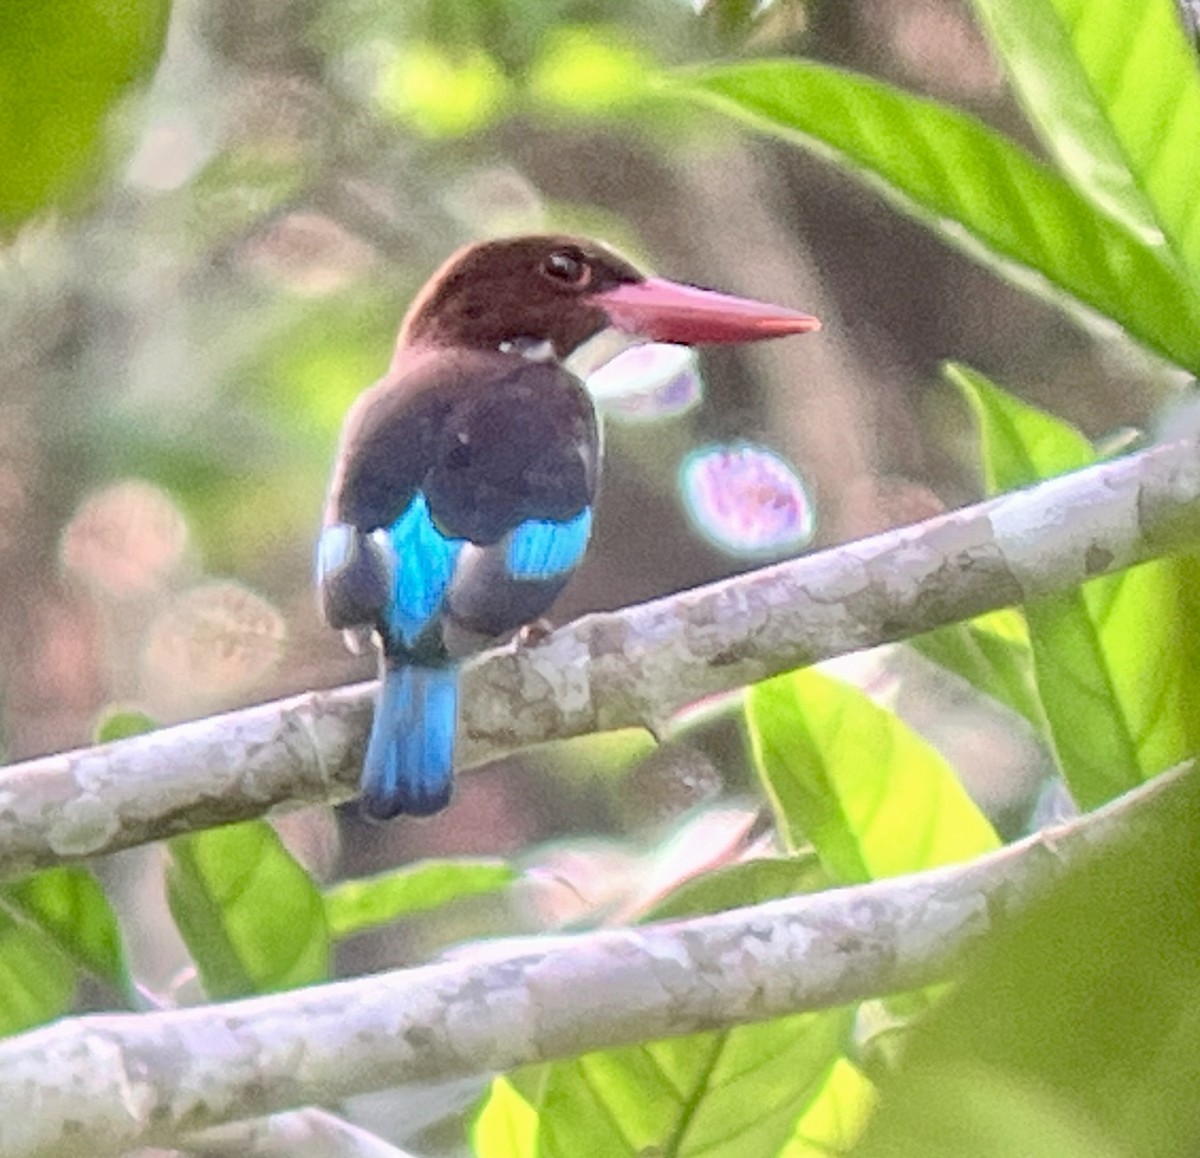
(465, 479)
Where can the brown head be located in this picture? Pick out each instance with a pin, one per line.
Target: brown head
(565, 290)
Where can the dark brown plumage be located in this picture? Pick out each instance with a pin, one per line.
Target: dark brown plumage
(541, 287)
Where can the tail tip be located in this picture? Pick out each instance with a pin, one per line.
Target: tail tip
(408, 767)
(414, 800)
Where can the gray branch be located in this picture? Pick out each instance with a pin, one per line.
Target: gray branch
(631, 668)
(111, 1082)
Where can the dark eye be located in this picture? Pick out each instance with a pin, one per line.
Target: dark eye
(568, 266)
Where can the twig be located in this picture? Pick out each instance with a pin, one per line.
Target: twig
(630, 668)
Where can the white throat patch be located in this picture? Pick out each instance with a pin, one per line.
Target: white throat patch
(600, 349)
(531, 349)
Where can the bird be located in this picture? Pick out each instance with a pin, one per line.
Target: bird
(464, 482)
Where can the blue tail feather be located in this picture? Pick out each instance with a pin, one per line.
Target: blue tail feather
(409, 764)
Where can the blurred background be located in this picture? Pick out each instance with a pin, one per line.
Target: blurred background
(179, 347)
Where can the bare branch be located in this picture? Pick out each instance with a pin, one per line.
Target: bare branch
(126, 1080)
(635, 667)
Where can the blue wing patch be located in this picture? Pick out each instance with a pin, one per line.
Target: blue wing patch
(425, 560)
(542, 549)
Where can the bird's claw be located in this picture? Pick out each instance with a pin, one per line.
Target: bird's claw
(531, 634)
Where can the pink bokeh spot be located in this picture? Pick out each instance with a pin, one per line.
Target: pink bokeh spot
(646, 383)
(747, 500)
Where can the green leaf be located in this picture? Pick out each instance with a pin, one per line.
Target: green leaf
(749, 883)
(363, 904)
(507, 1125)
(37, 980)
(837, 1116)
(589, 70)
(251, 917)
(121, 724)
(1114, 91)
(1075, 1034)
(720, 1095)
(978, 188)
(987, 1115)
(1020, 444)
(1117, 666)
(68, 905)
(63, 65)
(54, 925)
(440, 93)
(1116, 660)
(998, 663)
(873, 797)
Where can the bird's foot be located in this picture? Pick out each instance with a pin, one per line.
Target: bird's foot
(533, 633)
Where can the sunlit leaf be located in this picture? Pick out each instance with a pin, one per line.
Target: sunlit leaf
(507, 1125)
(252, 919)
(722, 1095)
(589, 70)
(1117, 676)
(121, 724)
(833, 1122)
(873, 797)
(442, 93)
(354, 906)
(68, 905)
(1114, 90)
(1116, 660)
(63, 65)
(37, 980)
(978, 188)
